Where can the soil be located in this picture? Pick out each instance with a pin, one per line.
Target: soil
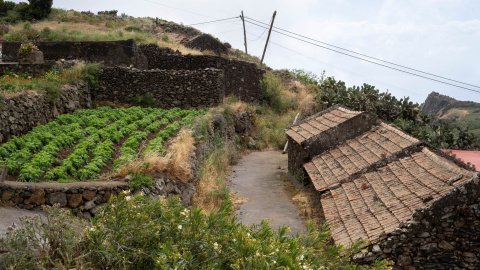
(258, 185)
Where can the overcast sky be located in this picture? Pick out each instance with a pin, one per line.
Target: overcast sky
(441, 37)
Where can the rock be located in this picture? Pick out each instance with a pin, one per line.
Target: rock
(75, 200)
(430, 247)
(404, 260)
(445, 245)
(57, 198)
(32, 58)
(89, 194)
(424, 234)
(89, 205)
(7, 195)
(128, 178)
(187, 194)
(106, 196)
(84, 215)
(376, 249)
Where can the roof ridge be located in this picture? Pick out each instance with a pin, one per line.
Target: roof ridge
(332, 108)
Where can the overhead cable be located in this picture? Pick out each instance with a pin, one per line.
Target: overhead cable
(364, 55)
(370, 61)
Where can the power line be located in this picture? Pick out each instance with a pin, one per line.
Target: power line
(156, 3)
(347, 71)
(393, 68)
(212, 21)
(364, 55)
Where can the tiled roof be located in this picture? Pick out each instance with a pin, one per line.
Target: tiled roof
(320, 123)
(338, 164)
(375, 203)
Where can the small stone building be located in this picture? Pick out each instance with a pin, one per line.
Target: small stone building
(321, 131)
(408, 201)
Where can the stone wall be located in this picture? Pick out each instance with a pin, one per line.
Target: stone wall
(242, 79)
(20, 114)
(27, 68)
(170, 88)
(445, 235)
(296, 158)
(112, 53)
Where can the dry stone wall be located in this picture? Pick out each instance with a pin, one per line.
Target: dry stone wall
(27, 68)
(170, 88)
(242, 79)
(20, 114)
(111, 53)
(445, 235)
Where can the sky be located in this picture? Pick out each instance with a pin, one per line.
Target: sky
(441, 37)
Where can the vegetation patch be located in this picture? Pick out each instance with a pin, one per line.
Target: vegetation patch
(92, 135)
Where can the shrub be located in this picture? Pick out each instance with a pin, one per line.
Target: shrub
(91, 73)
(49, 242)
(165, 37)
(144, 101)
(27, 48)
(4, 29)
(134, 29)
(273, 88)
(139, 180)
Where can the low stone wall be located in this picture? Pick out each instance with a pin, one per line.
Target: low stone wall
(242, 79)
(445, 235)
(27, 68)
(112, 53)
(20, 114)
(170, 88)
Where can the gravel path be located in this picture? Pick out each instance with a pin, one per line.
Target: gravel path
(256, 181)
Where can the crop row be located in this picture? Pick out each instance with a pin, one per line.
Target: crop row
(91, 134)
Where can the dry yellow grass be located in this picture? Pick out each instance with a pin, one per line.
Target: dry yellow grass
(175, 164)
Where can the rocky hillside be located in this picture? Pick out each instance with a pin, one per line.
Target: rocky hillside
(458, 113)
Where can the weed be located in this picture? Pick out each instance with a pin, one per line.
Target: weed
(165, 38)
(139, 180)
(91, 73)
(144, 101)
(133, 29)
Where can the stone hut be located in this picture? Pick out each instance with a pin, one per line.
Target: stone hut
(408, 201)
(321, 131)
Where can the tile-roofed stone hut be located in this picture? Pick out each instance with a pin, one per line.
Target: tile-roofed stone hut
(410, 202)
(319, 132)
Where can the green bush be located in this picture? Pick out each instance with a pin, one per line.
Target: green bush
(273, 88)
(165, 37)
(91, 73)
(144, 101)
(139, 180)
(27, 48)
(134, 29)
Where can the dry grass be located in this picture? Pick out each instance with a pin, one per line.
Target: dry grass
(211, 188)
(175, 164)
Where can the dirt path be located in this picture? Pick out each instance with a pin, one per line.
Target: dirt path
(256, 180)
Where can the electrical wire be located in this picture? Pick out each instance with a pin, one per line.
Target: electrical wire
(212, 21)
(370, 61)
(364, 55)
(156, 3)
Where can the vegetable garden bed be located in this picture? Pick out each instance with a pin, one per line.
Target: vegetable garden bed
(87, 140)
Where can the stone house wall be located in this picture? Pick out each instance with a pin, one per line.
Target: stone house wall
(445, 235)
(296, 158)
(170, 88)
(20, 114)
(242, 79)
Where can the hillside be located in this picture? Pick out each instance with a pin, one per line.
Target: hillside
(457, 113)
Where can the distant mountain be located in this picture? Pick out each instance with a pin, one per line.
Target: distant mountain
(458, 113)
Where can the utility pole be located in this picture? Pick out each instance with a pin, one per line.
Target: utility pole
(269, 31)
(244, 33)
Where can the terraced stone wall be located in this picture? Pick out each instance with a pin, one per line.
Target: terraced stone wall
(111, 53)
(242, 79)
(20, 114)
(170, 88)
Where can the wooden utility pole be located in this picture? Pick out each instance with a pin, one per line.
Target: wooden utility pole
(269, 31)
(244, 33)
